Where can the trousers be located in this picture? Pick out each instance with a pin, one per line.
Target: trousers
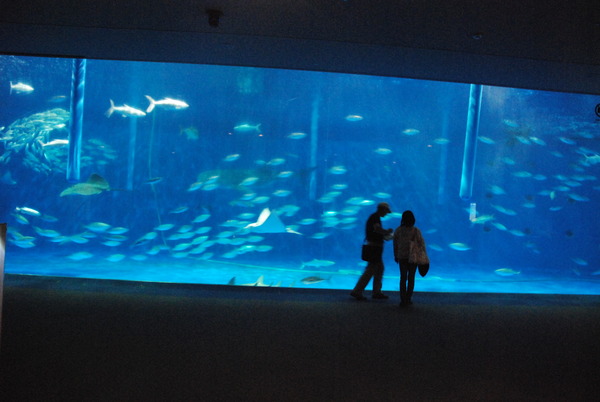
(407, 279)
(374, 269)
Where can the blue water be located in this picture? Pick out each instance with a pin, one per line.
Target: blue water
(175, 189)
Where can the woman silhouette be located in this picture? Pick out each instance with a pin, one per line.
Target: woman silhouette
(403, 235)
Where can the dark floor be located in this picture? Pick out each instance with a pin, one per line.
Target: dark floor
(86, 340)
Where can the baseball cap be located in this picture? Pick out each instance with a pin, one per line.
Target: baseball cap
(384, 206)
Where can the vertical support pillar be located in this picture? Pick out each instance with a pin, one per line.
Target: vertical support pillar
(2, 254)
(468, 166)
(76, 129)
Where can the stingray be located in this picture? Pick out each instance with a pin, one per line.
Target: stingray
(268, 222)
(95, 184)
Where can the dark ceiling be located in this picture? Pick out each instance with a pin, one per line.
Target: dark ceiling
(549, 44)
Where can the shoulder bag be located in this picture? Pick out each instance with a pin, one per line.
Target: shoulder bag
(418, 255)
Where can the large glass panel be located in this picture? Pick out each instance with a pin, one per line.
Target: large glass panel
(253, 176)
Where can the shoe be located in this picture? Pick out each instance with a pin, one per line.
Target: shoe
(380, 296)
(358, 296)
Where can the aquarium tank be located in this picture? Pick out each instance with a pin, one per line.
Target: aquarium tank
(206, 174)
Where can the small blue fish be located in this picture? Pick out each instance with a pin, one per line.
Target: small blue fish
(354, 117)
(164, 227)
(276, 162)
(21, 219)
(510, 123)
(411, 131)
(579, 261)
(281, 193)
(296, 136)
(506, 272)
(285, 174)
(153, 180)
(459, 246)
(97, 227)
(486, 140)
(231, 158)
(383, 151)
(115, 257)
(179, 210)
(82, 255)
(567, 141)
(338, 170)
(46, 232)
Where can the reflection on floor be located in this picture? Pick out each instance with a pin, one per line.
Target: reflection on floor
(463, 278)
(94, 340)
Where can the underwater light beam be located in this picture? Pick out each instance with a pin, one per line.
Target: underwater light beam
(76, 129)
(314, 136)
(131, 151)
(443, 159)
(468, 166)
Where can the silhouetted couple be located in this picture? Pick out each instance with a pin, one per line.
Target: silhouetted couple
(375, 235)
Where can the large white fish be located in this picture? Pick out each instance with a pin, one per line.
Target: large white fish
(20, 88)
(28, 211)
(124, 110)
(53, 143)
(167, 103)
(246, 128)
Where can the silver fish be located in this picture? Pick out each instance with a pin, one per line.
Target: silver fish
(166, 103)
(124, 110)
(20, 88)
